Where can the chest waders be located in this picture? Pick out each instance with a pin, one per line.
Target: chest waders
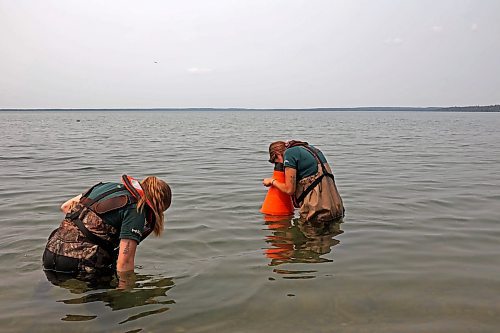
(85, 245)
(317, 195)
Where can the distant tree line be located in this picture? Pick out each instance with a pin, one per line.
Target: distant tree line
(476, 108)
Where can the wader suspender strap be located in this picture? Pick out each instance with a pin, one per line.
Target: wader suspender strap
(317, 180)
(74, 217)
(107, 246)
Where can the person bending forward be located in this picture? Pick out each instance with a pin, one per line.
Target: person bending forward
(308, 179)
(103, 226)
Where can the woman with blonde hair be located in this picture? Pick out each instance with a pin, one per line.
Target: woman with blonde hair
(103, 226)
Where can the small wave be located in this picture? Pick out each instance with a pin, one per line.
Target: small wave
(16, 158)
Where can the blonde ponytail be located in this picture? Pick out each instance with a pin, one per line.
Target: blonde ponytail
(159, 194)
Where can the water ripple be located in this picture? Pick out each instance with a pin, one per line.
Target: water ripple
(418, 250)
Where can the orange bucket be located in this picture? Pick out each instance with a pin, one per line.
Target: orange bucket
(276, 202)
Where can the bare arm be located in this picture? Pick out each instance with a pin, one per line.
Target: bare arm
(66, 207)
(126, 255)
(288, 186)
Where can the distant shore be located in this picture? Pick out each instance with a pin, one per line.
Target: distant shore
(477, 108)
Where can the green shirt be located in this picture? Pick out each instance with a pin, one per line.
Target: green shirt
(127, 220)
(303, 161)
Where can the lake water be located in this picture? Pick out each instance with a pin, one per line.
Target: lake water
(418, 250)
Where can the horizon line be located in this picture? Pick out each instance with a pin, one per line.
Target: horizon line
(250, 109)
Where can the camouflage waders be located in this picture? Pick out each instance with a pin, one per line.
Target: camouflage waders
(84, 245)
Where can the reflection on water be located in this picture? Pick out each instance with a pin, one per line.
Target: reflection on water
(146, 290)
(419, 253)
(295, 241)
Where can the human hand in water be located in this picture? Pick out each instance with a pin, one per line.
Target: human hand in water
(126, 280)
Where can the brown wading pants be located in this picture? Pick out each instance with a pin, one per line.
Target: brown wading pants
(323, 203)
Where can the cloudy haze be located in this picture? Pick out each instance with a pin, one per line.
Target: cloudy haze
(253, 54)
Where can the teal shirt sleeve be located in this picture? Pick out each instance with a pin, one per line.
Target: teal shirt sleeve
(291, 158)
(132, 224)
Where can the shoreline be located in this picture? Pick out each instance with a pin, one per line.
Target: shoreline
(489, 108)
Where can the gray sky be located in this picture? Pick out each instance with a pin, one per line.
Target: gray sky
(256, 53)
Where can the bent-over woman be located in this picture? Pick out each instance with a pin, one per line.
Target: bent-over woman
(308, 179)
(103, 226)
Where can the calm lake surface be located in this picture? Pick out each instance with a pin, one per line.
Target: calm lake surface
(418, 251)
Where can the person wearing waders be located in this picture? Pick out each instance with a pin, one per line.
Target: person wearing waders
(102, 228)
(308, 179)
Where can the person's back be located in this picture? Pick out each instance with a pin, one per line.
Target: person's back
(300, 159)
(309, 179)
(128, 221)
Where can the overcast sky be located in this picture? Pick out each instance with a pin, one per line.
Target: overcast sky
(253, 54)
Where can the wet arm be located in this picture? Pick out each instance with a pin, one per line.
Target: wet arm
(126, 280)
